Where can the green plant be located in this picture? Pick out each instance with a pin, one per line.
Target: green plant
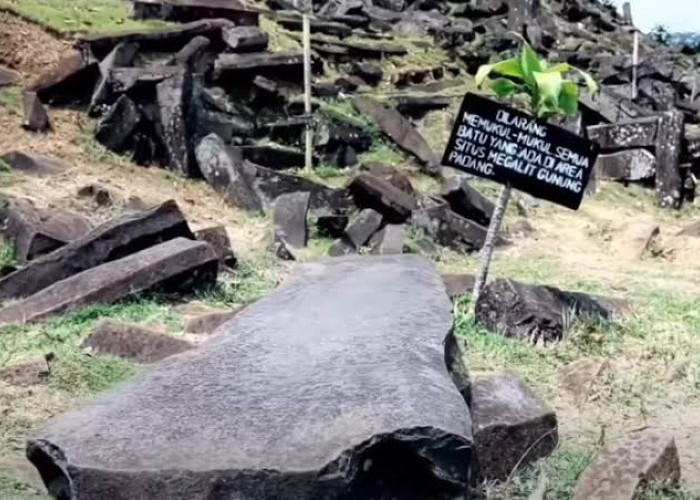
(660, 35)
(7, 256)
(549, 93)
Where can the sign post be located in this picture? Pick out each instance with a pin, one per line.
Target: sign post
(306, 33)
(499, 143)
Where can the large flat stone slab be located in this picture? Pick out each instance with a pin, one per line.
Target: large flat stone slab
(171, 266)
(316, 392)
(110, 241)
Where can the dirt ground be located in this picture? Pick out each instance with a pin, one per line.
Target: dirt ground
(588, 248)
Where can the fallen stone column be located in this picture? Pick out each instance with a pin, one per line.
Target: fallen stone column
(333, 387)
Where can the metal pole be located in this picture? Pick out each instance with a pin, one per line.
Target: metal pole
(307, 91)
(490, 241)
(635, 62)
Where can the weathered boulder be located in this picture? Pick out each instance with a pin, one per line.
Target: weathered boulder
(174, 97)
(26, 372)
(133, 342)
(449, 229)
(174, 266)
(362, 227)
(400, 130)
(512, 427)
(467, 201)
(245, 39)
(627, 165)
(227, 174)
(69, 81)
(36, 118)
(373, 192)
(534, 313)
(33, 232)
(110, 241)
(31, 164)
(185, 11)
(389, 240)
(118, 125)
(629, 463)
(313, 375)
(206, 324)
(218, 239)
(639, 133)
(669, 180)
(290, 218)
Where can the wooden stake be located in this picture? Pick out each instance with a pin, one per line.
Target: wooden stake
(635, 62)
(307, 91)
(487, 251)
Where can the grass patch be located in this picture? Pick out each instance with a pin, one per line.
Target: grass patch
(384, 152)
(79, 15)
(7, 256)
(11, 100)
(281, 40)
(14, 489)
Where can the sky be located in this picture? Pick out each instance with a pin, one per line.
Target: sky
(676, 15)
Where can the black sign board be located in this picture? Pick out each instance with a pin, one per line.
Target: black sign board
(497, 142)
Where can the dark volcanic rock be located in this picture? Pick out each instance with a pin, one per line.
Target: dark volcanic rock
(273, 157)
(372, 192)
(218, 239)
(165, 40)
(389, 240)
(36, 118)
(313, 375)
(35, 165)
(110, 241)
(290, 218)
(171, 267)
(174, 97)
(449, 229)
(226, 173)
(628, 165)
(362, 227)
(637, 133)
(467, 201)
(196, 55)
(122, 55)
(33, 232)
(669, 181)
(231, 67)
(534, 312)
(100, 195)
(112, 338)
(510, 424)
(185, 11)
(417, 107)
(70, 81)
(400, 130)
(245, 39)
(371, 73)
(118, 125)
(390, 174)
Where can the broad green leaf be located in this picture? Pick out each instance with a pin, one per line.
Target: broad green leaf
(590, 82)
(558, 68)
(549, 86)
(482, 73)
(503, 87)
(568, 98)
(509, 67)
(530, 63)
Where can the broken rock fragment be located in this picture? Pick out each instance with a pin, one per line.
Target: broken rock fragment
(373, 192)
(290, 218)
(389, 240)
(362, 227)
(245, 39)
(637, 459)
(512, 427)
(628, 165)
(448, 229)
(467, 201)
(218, 239)
(174, 266)
(36, 118)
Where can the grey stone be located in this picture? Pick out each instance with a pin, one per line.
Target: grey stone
(467, 201)
(226, 174)
(245, 39)
(133, 342)
(534, 313)
(169, 267)
(100, 195)
(449, 229)
(389, 240)
(669, 181)
(341, 247)
(378, 194)
(283, 250)
(174, 97)
(326, 403)
(196, 55)
(122, 55)
(36, 118)
(628, 464)
(639, 133)
(512, 427)
(229, 66)
(186, 11)
(118, 125)
(400, 130)
(390, 174)
(69, 82)
(218, 239)
(362, 227)
(290, 218)
(110, 241)
(627, 165)
(31, 164)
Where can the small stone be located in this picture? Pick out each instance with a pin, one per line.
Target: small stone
(26, 373)
(372, 192)
(218, 239)
(512, 427)
(635, 460)
(290, 218)
(36, 118)
(112, 338)
(362, 227)
(283, 250)
(102, 196)
(389, 240)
